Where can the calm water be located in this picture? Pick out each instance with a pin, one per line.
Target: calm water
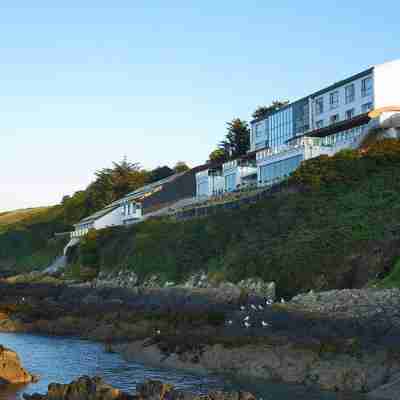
(62, 360)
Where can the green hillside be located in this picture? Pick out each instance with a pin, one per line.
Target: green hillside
(336, 225)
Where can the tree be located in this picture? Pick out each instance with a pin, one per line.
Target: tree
(262, 112)
(237, 140)
(181, 166)
(218, 156)
(159, 173)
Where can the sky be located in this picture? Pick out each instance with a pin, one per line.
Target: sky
(87, 83)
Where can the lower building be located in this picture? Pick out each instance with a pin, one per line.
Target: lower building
(107, 217)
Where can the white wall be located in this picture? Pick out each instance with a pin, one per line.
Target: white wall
(387, 86)
(113, 218)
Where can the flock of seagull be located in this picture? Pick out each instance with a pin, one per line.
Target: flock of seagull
(246, 320)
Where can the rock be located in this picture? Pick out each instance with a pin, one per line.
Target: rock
(153, 390)
(120, 279)
(92, 299)
(390, 391)
(260, 287)
(84, 388)
(11, 369)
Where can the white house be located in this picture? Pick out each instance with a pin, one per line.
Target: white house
(109, 216)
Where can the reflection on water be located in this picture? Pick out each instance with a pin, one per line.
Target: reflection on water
(64, 359)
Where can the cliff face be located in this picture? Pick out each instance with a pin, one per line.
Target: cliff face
(11, 369)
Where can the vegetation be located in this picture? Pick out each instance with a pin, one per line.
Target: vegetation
(263, 111)
(235, 144)
(27, 236)
(321, 232)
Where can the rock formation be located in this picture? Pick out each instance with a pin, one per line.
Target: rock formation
(11, 369)
(86, 388)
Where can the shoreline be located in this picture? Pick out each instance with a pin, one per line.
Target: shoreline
(344, 365)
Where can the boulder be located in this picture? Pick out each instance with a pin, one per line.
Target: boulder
(84, 388)
(11, 369)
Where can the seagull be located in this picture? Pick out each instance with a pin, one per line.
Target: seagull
(253, 307)
(260, 307)
(264, 324)
(242, 308)
(247, 325)
(158, 332)
(247, 318)
(282, 300)
(230, 322)
(268, 302)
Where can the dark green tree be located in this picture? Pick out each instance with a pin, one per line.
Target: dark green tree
(237, 139)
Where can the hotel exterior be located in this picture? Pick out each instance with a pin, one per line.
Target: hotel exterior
(327, 121)
(334, 118)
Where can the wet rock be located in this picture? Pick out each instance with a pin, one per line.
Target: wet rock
(11, 369)
(84, 388)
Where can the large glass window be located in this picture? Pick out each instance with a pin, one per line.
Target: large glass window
(276, 171)
(349, 93)
(280, 127)
(366, 87)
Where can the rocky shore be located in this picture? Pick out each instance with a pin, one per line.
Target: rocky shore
(11, 369)
(339, 340)
(86, 388)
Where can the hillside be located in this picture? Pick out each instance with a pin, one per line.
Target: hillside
(10, 218)
(336, 225)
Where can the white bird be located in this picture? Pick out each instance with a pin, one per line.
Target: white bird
(242, 308)
(158, 332)
(264, 324)
(246, 318)
(247, 325)
(282, 300)
(230, 322)
(260, 307)
(253, 307)
(268, 302)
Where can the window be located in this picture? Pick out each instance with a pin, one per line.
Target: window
(334, 100)
(350, 113)
(349, 93)
(334, 118)
(366, 87)
(319, 124)
(366, 107)
(319, 105)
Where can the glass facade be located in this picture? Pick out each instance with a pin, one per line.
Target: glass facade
(280, 127)
(278, 170)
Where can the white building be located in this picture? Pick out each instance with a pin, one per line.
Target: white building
(209, 182)
(332, 119)
(109, 216)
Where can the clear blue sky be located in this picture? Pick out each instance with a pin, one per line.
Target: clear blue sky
(82, 86)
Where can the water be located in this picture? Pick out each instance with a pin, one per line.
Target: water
(61, 360)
